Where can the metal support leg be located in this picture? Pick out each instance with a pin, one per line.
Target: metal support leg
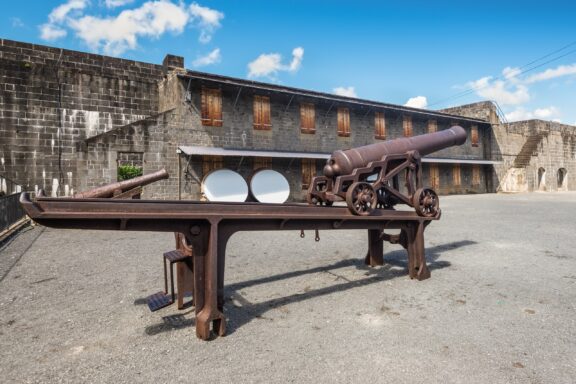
(207, 243)
(375, 254)
(417, 267)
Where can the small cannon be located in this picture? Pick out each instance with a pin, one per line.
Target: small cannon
(368, 177)
(131, 188)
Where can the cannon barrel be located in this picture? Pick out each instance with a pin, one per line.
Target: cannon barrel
(344, 162)
(122, 186)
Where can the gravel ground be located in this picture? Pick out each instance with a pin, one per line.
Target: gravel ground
(499, 308)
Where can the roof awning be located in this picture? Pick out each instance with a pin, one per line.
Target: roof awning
(215, 151)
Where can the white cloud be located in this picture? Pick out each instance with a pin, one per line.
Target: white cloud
(117, 3)
(269, 64)
(51, 32)
(519, 114)
(417, 102)
(211, 58)
(206, 19)
(562, 70)
(114, 35)
(59, 13)
(501, 91)
(345, 91)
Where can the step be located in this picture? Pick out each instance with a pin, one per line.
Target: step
(174, 256)
(158, 300)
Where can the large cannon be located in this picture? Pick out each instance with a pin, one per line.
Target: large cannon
(131, 188)
(368, 177)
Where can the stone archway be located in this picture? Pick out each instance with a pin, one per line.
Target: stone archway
(562, 179)
(541, 179)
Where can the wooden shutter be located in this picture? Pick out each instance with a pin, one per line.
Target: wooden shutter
(343, 122)
(308, 172)
(210, 163)
(379, 126)
(262, 112)
(211, 107)
(456, 177)
(407, 123)
(476, 175)
(432, 126)
(474, 136)
(307, 118)
(434, 177)
(262, 162)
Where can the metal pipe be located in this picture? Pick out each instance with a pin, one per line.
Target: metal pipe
(122, 186)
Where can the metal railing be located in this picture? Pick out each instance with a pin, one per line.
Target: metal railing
(11, 211)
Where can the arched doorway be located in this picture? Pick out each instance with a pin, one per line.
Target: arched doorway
(541, 179)
(562, 179)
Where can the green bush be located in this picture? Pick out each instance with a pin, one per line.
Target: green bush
(126, 172)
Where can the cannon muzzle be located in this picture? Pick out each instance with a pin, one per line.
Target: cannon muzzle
(344, 162)
(111, 190)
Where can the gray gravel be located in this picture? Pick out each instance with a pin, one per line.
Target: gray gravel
(499, 308)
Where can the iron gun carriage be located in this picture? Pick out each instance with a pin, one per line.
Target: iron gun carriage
(369, 177)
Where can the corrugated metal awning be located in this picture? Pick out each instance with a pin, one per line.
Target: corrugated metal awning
(215, 151)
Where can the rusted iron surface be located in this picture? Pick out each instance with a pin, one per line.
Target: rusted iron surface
(207, 227)
(371, 176)
(123, 189)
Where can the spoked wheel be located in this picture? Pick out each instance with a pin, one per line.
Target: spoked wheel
(315, 200)
(384, 200)
(361, 199)
(426, 202)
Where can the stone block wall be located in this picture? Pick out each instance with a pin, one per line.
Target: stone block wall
(52, 99)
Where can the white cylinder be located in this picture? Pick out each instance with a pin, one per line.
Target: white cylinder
(268, 186)
(224, 185)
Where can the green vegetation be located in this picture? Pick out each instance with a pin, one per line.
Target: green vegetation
(126, 172)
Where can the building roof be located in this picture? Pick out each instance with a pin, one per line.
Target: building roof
(216, 151)
(321, 95)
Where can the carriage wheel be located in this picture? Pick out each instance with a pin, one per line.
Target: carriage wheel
(315, 200)
(361, 199)
(426, 202)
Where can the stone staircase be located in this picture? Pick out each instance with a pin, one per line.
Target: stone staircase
(528, 150)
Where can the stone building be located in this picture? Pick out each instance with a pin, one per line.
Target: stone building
(68, 119)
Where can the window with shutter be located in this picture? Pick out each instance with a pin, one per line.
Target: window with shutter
(262, 162)
(211, 107)
(434, 177)
(456, 179)
(262, 113)
(210, 163)
(407, 123)
(474, 136)
(476, 175)
(308, 172)
(307, 118)
(379, 126)
(432, 126)
(343, 122)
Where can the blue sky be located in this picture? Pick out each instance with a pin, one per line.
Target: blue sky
(428, 54)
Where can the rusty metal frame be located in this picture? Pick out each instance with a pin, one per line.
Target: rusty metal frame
(207, 227)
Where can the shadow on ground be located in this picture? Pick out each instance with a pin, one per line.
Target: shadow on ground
(244, 311)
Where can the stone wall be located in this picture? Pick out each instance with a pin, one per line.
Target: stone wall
(52, 99)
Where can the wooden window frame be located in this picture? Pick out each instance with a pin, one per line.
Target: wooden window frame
(407, 126)
(307, 118)
(434, 176)
(432, 126)
(262, 163)
(457, 175)
(379, 126)
(210, 163)
(474, 138)
(211, 107)
(261, 116)
(308, 167)
(476, 175)
(343, 115)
